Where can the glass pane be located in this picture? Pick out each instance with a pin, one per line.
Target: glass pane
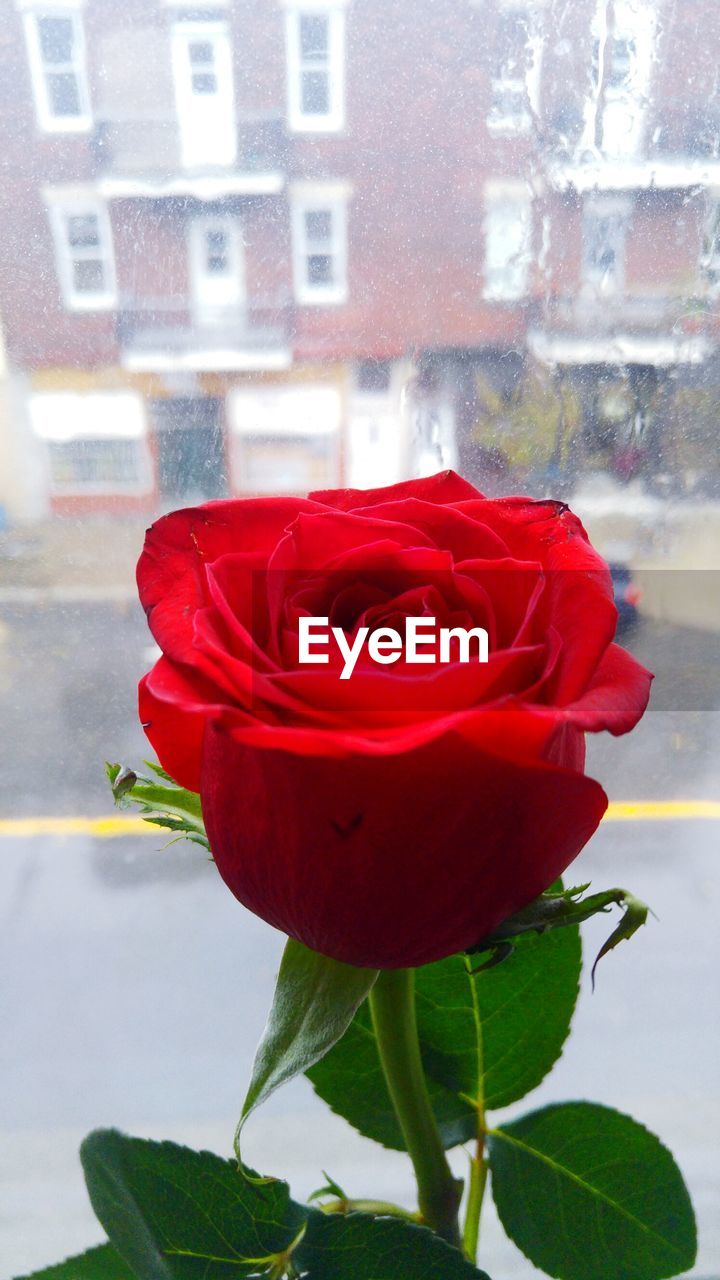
(315, 93)
(604, 248)
(507, 249)
(302, 464)
(217, 247)
(64, 93)
(374, 375)
(83, 230)
(527, 197)
(204, 82)
(57, 36)
(318, 225)
(76, 463)
(201, 52)
(320, 268)
(314, 36)
(621, 62)
(511, 45)
(88, 275)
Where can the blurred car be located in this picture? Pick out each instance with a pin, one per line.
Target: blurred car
(627, 596)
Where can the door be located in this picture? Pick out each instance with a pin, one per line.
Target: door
(190, 444)
(202, 68)
(217, 270)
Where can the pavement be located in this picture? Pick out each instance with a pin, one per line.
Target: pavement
(135, 988)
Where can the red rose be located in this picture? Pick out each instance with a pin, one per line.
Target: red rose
(399, 816)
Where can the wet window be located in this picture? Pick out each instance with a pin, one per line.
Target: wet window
(253, 248)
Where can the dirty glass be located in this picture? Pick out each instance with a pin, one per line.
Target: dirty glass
(253, 247)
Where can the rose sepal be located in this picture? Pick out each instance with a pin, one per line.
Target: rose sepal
(557, 909)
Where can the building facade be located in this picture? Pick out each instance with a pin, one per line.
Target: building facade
(271, 245)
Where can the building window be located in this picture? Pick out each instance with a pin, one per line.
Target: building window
(319, 227)
(623, 58)
(84, 255)
(96, 443)
(710, 255)
(604, 227)
(513, 88)
(374, 377)
(204, 95)
(98, 465)
(508, 244)
(284, 439)
(622, 71)
(56, 54)
(316, 69)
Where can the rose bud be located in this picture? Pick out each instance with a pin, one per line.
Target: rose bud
(398, 816)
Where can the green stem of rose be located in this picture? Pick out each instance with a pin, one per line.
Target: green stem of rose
(476, 1191)
(392, 1005)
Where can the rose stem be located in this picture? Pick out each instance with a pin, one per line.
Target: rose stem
(392, 1005)
(476, 1191)
(478, 1163)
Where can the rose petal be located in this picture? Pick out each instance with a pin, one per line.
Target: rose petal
(174, 707)
(395, 862)
(616, 697)
(171, 569)
(443, 487)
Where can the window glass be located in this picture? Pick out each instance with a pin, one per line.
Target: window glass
(84, 256)
(604, 245)
(320, 250)
(56, 51)
(216, 251)
(507, 246)
(316, 54)
(57, 38)
(260, 247)
(77, 465)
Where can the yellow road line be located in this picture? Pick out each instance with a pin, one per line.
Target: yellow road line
(123, 824)
(120, 824)
(654, 810)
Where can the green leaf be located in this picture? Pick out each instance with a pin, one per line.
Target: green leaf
(359, 1247)
(175, 1213)
(160, 800)
(314, 1002)
(587, 1194)
(486, 1038)
(102, 1263)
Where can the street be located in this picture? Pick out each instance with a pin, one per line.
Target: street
(135, 988)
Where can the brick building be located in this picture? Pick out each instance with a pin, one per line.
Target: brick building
(260, 245)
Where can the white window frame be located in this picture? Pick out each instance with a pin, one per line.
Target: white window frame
(46, 119)
(60, 210)
(320, 198)
(333, 120)
(501, 198)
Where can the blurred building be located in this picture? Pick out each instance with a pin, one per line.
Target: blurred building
(263, 245)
